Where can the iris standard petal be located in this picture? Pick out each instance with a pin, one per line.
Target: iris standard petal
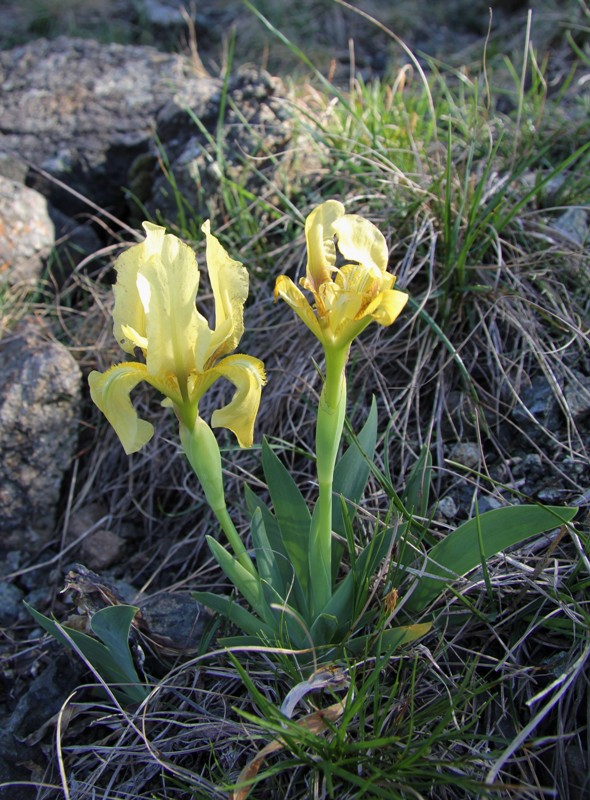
(167, 284)
(361, 242)
(319, 235)
(229, 282)
(110, 392)
(129, 325)
(248, 376)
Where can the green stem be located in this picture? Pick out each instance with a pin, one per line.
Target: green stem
(202, 451)
(330, 421)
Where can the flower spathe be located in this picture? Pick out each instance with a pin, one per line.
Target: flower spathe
(155, 313)
(346, 275)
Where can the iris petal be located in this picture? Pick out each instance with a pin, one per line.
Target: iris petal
(291, 294)
(248, 376)
(360, 241)
(229, 282)
(319, 235)
(167, 284)
(110, 391)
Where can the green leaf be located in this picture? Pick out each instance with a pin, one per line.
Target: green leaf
(248, 585)
(353, 469)
(351, 593)
(324, 629)
(112, 625)
(288, 578)
(460, 551)
(387, 640)
(266, 560)
(416, 497)
(243, 619)
(113, 663)
(291, 512)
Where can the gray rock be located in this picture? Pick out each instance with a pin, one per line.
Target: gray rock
(577, 396)
(257, 128)
(466, 453)
(447, 507)
(27, 233)
(74, 241)
(573, 225)
(83, 111)
(539, 405)
(488, 503)
(44, 697)
(39, 408)
(178, 618)
(11, 604)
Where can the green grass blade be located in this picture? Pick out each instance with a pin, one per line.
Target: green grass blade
(416, 497)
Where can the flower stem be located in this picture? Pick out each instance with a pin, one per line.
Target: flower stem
(330, 421)
(202, 451)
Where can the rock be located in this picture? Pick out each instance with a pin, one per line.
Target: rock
(27, 233)
(540, 406)
(488, 503)
(11, 603)
(101, 549)
(83, 111)
(87, 114)
(74, 241)
(577, 397)
(552, 495)
(466, 453)
(39, 409)
(83, 520)
(23, 727)
(447, 507)
(257, 127)
(572, 225)
(177, 617)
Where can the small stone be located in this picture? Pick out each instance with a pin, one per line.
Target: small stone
(573, 225)
(101, 549)
(11, 606)
(85, 518)
(447, 507)
(551, 494)
(577, 397)
(488, 503)
(177, 617)
(466, 453)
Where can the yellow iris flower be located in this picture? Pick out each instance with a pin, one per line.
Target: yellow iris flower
(347, 276)
(155, 313)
